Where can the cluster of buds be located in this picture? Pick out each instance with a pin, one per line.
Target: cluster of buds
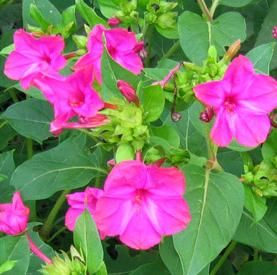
(262, 178)
(161, 14)
(128, 13)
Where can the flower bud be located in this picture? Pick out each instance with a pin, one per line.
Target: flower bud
(127, 91)
(114, 21)
(14, 216)
(274, 32)
(207, 115)
(233, 50)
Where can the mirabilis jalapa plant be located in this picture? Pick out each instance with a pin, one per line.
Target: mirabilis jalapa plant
(136, 185)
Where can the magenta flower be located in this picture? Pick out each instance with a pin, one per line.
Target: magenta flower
(34, 57)
(241, 102)
(14, 216)
(142, 203)
(80, 201)
(72, 97)
(121, 45)
(128, 91)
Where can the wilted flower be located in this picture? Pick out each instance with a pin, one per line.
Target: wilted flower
(14, 216)
(142, 203)
(34, 57)
(241, 101)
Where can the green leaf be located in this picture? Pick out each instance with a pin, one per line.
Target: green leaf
(7, 167)
(15, 249)
(152, 100)
(265, 33)
(235, 3)
(47, 9)
(38, 17)
(7, 266)
(86, 239)
(269, 148)
(111, 73)
(255, 204)
(124, 152)
(30, 118)
(258, 267)
(261, 57)
(7, 133)
(7, 50)
(66, 166)
(258, 234)
(196, 34)
(108, 8)
(216, 203)
(89, 14)
(168, 133)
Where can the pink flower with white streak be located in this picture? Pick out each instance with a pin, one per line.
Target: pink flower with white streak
(142, 203)
(72, 97)
(121, 44)
(78, 202)
(34, 57)
(14, 216)
(241, 101)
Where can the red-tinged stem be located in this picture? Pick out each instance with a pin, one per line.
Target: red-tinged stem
(70, 55)
(159, 162)
(110, 106)
(139, 155)
(37, 251)
(168, 76)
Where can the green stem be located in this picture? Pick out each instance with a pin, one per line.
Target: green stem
(29, 146)
(256, 254)
(204, 9)
(213, 7)
(56, 234)
(47, 227)
(224, 257)
(172, 49)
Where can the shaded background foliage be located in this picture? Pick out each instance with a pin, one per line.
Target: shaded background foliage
(33, 161)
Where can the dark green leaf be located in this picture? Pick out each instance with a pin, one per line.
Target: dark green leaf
(257, 267)
(87, 240)
(235, 3)
(216, 203)
(30, 118)
(66, 166)
(15, 249)
(89, 14)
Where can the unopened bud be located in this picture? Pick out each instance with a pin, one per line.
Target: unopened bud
(114, 21)
(207, 115)
(233, 50)
(175, 116)
(274, 32)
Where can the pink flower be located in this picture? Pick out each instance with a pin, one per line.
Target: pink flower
(274, 32)
(80, 201)
(127, 91)
(34, 57)
(121, 45)
(14, 216)
(72, 97)
(142, 203)
(241, 101)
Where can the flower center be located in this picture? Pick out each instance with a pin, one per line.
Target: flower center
(230, 104)
(76, 101)
(140, 195)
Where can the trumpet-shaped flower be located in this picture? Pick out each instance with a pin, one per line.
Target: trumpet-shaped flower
(241, 102)
(142, 203)
(14, 216)
(34, 57)
(121, 45)
(72, 97)
(79, 202)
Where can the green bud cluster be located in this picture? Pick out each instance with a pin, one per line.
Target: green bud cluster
(126, 126)
(62, 264)
(262, 178)
(128, 11)
(160, 13)
(212, 69)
